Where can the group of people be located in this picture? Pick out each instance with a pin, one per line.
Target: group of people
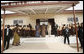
(14, 33)
(40, 31)
(8, 33)
(25, 30)
(43, 30)
(71, 29)
(66, 33)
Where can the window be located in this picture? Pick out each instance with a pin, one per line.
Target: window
(15, 22)
(46, 23)
(72, 19)
(43, 21)
(18, 22)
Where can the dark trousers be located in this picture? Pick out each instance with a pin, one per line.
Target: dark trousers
(67, 39)
(55, 33)
(6, 42)
(30, 32)
(81, 41)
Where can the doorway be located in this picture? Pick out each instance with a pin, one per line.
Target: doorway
(51, 21)
(46, 21)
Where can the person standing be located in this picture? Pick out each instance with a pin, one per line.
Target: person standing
(80, 34)
(49, 29)
(30, 31)
(66, 34)
(43, 30)
(30, 26)
(37, 30)
(55, 29)
(16, 40)
(7, 35)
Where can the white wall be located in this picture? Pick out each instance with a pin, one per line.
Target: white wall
(59, 18)
(62, 18)
(26, 20)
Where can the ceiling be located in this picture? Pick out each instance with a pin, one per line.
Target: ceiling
(41, 9)
(32, 10)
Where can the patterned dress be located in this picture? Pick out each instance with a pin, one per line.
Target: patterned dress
(16, 40)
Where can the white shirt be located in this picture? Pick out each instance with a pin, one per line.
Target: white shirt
(49, 27)
(7, 31)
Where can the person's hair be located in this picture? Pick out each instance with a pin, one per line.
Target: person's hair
(29, 24)
(8, 26)
(81, 24)
(37, 23)
(78, 23)
(64, 25)
(17, 25)
(43, 24)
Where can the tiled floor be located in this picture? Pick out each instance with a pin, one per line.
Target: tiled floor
(74, 46)
(43, 45)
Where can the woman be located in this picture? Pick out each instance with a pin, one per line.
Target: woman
(49, 29)
(58, 31)
(43, 30)
(37, 30)
(16, 40)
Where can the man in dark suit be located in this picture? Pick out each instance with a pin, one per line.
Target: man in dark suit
(66, 34)
(80, 34)
(56, 26)
(7, 35)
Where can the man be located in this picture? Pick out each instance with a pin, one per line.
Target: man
(80, 34)
(30, 31)
(56, 26)
(66, 34)
(7, 35)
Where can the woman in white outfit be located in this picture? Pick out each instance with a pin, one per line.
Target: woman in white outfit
(49, 29)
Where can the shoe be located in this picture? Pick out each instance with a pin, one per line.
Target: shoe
(6, 48)
(68, 44)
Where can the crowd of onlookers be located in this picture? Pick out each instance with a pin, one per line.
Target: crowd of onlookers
(27, 30)
(42, 30)
(24, 31)
(71, 29)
